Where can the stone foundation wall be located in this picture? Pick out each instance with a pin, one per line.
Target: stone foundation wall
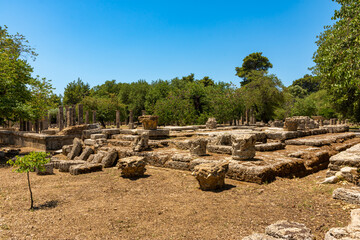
(35, 140)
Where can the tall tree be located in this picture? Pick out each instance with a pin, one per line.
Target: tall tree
(338, 59)
(309, 83)
(75, 91)
(254, 61)
(15, 74)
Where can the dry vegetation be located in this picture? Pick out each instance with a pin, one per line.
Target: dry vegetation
(167, 204)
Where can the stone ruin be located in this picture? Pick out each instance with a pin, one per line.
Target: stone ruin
(213, 152)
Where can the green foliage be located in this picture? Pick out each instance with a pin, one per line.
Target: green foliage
(15, 74)
(263, 93)
(338, 59)
(254, 61)
(309, 83)
(297, 92)
(105, 108)
(75, 91)
(30, 162)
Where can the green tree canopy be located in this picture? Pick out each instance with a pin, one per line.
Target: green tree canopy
(15, 74)
(254, 61)
(338, 59)
(75, 91)
(309, 83)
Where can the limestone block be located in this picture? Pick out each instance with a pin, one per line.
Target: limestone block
(198, 146)
(110, 158)
(211, 176)
(98, 157)
(351, 195)
(290, 124)
(132, 166)
(211, 123)
(85, 168)
(259, 236)
(49, 169)
(66, 149)
(221, 149)
(64, 166)
(97, 136)
(85, 154)
(87, 133)
(351, 232)
(76, 149)
(269, 146)
(243, 147)
(141, 143)
(289, 230)
(223, 139)
(149, 122)
(89, 142)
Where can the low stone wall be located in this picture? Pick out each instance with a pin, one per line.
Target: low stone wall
(35, 140)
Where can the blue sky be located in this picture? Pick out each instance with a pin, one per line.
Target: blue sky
(132, 40)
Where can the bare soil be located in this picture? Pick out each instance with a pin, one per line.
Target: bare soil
(166, 204)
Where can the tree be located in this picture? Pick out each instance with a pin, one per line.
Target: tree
(254, 61)
(29, 163)
(206, 81)
(15, 74)
(338, 59)
(309, 83)
(263, 93)
(75, 91)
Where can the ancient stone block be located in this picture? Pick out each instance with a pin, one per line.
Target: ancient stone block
(98, 157)
(76, 149)
(243, 147)
(85, 168)
(211, 176)
(132, 167)
(64, 166)
(49, 169)
(85, 154)
(211, 123)
(221, 149)
(97, 136)
(198, 146)
(66, 149)
(348, 195)
(109, 158)
(141, 143)
(290, 124)
(223, 139)
(289, 230)
(89, 142)
(351, 232)
(149, 122)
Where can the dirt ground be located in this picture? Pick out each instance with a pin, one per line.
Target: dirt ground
(166, 204)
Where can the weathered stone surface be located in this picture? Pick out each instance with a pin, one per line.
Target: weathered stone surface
(97, 136)
(223, 139)
(110, 131)
(141, 143)
(89, 142)
(243, 147)
(149, 122)
(211, 176)
(85, 154)
(66, 149)
(110, 158)
(289, 230)
(132, 167)
(348, 195)
(211, 123)
(65, 165)
(269, 146)
(91, 158)
(221, 149)
(49, 169)
(76, 149)
(351, 232)
(259, 236)
(290, 124)
(179, 161)
(198, 146)
(85, 168)
(87, 133)
(98, 157)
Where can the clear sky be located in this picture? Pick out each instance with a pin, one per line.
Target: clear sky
(138, 39)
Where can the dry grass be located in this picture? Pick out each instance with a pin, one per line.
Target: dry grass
(167, 204)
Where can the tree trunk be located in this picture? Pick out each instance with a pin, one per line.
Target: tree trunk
(31, 197)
